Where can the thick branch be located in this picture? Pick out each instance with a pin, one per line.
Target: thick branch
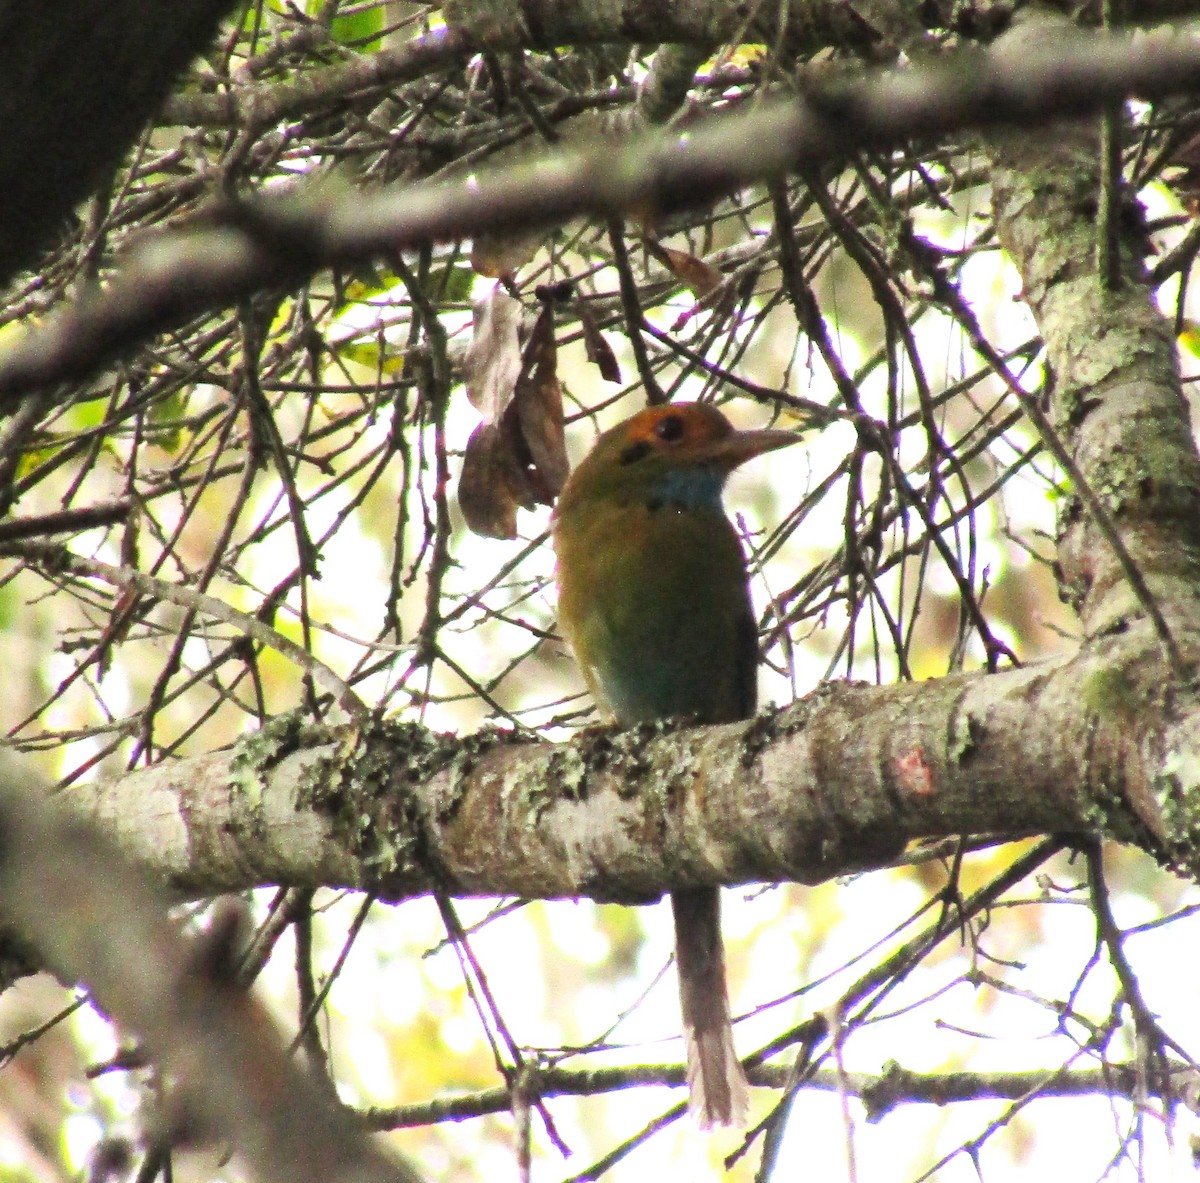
(1117, 401)
(473, 25)
(841, 780)
(793, 30)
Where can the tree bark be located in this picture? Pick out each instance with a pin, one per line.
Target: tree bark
(840, 781)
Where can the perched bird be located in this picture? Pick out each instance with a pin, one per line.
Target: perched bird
(652, 598)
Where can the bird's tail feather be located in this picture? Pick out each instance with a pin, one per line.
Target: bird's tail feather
(717, 1091)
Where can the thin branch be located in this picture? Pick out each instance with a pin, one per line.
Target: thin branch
(880, 1094)
(65, 521)
(61, 559)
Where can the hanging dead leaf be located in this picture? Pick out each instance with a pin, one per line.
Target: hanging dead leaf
(492, 486)
(699, 277)
(517, 457)
(599, 351)
(493, 361)
(540, 411)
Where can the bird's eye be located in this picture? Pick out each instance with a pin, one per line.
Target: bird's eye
(669, 428)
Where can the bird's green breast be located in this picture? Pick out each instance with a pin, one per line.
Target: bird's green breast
(653, 599)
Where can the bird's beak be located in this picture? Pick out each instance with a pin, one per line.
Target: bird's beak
(741, 446)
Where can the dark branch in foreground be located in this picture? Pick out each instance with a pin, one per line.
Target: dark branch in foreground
(91, 918)
(68, 115)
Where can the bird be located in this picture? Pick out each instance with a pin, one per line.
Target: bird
(653, 600)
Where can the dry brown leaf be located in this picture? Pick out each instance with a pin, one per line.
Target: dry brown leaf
(695, 274)
(539, 409)
(517, 457)
(599, 351)
(492, 486)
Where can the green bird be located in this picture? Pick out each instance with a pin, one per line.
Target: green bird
(653, 600)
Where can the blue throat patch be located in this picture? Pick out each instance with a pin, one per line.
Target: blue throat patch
(690, 487)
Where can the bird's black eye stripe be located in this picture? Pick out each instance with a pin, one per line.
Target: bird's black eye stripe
(669, 428)
(635, 452)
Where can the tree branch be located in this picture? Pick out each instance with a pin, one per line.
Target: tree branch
(282, 240)
(258, 105)
(881, 1094)
(1117, 399)
(841, 780)
(49, 90)
(92, 918)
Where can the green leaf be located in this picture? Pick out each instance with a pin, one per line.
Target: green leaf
(360, 29)
(369, 354)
